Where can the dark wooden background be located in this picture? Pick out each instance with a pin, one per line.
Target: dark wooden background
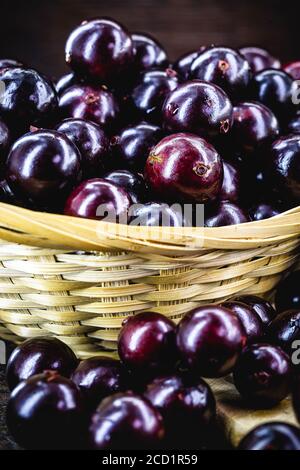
(35, 30)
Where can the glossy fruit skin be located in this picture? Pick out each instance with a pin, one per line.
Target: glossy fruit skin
(184, 167)
(272, 436)
(225, 213)
(148, 95)
(251, 322)
(126, 421)
(287, 296)
(285, 329)
(46, 412)
(293, 125)
(98, 377)
(231, 186)
(148, 52)
(210, 339)
(263, 211)
(262, 307)
(86, 199)
(5, 142)
(131, 147)
(65, 82)
(187, 407)
(259, 59)
(184, 62)
(92, 103)
(198, 107)
(147, 343)
(293, 69)
(100, 49)
(274, 89)
(263, 375)
(29, 98)
(43, 166)
(283, 163)
(224, 67)
(10, 64)
(35, 355)
(133, 183)
(92, 143)
(254, 125)
(155, 214)
(6, 194)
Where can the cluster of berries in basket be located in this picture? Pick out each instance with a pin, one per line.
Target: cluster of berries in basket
(126, 126)
(154, 397)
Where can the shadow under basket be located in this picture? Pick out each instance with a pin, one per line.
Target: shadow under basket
(77, 279)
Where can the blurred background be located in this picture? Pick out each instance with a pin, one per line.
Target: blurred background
(35, 31)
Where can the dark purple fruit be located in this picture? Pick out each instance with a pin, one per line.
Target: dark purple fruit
(210, 339)
(283, 162)
(6, 194)
(263, 211)
(225, 213)
(198, 107)
(131, 147)
(262, 307)
(126, 421)
(293, 69)
(263, 375)
(46, 412)
(133, 183)
(43, 167)
(29, 99)
(65, 82)
(92, 143)
(287, 296)
(36, 355)
(224, 67)
(148, 95)
(155, 214)
(148, 52)
(231, 186)
(99, 377)
(10, 64)
(92, 103)
(147, 343)
(251, 322)
(184, 62)
(274, 89)
(184, 167)
(254, 125)
(284, 330)
(187, 407)
(98, 198)
(293, 126)
(100, 49)
(272, 436)
(5, 142)
(259, 59)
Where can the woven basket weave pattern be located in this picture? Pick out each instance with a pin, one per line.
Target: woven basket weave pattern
(82, 297)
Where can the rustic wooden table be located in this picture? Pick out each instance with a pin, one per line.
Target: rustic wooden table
(6, 443)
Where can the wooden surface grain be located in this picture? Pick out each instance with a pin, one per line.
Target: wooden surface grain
(6, 443)
(35, 31)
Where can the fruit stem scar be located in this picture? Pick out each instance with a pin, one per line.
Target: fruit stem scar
(223, 65)
(154, 159)
(200, 169)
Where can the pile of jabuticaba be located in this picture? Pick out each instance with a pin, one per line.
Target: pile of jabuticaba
(127, 128)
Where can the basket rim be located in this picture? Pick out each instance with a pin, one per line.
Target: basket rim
(25, 226)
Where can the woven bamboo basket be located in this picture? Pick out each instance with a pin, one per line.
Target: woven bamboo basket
(77, 279)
